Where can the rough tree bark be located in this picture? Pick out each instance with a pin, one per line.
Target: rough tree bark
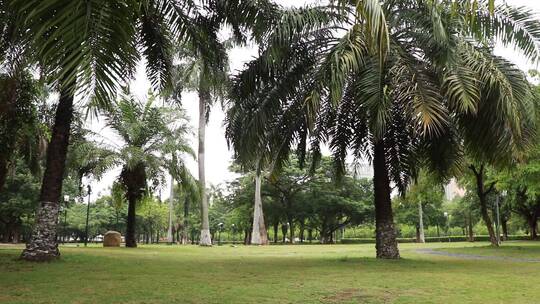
(134, 179)
(258, 234)
(204, 101)
(482, 196)
(43, 245)
(386, 243)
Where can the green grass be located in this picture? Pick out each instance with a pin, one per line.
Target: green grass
(273, 274)
(520, 250)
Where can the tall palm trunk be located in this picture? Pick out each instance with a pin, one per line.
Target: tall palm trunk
(204, 100)
(386, 243)
(258, 234)
(134, 179)
(186, 222)
(43, 245)
(170, 229)
(421, 236)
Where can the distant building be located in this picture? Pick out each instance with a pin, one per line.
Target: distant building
(453, 190)
(362, 170)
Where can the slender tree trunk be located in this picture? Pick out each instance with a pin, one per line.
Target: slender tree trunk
(276, 227)
(471, 232)
(284, 232)
(7, 233)
(204, 101)
(291, 230)
(487, 221)
(386, 243)
(16, 235)
(3, 171)
(185, 231)
(43, 245)
(482, 196)
(134, 179)
(504, 226)
(170, 228)
(258, 234)
(421, 237)
(322, 237)
(533, 227)
(246, 236)
(302, 228)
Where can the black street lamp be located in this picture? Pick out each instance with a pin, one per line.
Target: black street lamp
(87, 215)
(233, 226)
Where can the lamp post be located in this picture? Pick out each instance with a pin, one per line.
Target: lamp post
(171, 198)
(233, 227)
(87, 216)
(220, 226)
(288, 231)
(447, 217)
(66, 202)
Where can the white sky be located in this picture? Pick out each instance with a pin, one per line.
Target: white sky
(218, 156)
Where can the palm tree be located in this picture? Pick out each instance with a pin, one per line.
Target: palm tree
(154, 141)
(208, 77)
(403, 83)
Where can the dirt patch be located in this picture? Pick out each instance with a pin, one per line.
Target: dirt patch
(344, 296)
(356, 295)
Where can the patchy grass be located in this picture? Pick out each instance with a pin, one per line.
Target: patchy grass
(272, 274)
(511, 249)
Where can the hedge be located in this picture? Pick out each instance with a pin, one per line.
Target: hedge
(442, 239)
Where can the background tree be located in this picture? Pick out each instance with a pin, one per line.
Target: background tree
(421, 204)
(466, 213)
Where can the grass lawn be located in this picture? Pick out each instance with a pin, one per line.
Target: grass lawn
(520, 250)
(272, 274)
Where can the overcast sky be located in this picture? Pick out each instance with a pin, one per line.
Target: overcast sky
(218, 156)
